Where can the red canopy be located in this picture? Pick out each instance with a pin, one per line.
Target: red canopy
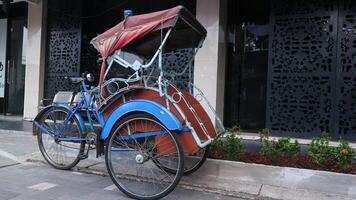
(133, 28)
(188, 32)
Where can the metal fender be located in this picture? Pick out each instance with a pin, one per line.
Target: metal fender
(150, 107)
(77, 115)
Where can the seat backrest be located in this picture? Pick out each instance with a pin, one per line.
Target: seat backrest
(77, 98)
(63, 97)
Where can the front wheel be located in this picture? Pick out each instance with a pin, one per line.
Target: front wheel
(60, 139)
(133, 146)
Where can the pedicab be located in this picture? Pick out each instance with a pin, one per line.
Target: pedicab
(150, 131)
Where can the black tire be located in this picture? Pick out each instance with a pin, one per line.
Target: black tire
(191, 162)
(192, 166)
(49, 120)
(134, 182)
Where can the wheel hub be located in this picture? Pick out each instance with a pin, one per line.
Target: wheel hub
(139, 159)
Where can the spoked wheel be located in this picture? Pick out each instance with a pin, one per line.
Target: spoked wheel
(62, 142)
(134, 145)
(192, 161)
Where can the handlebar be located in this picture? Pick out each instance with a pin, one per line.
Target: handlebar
(74, 80)
(81, 80)
(85, 77)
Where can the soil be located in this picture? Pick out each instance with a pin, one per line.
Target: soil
(297, 161)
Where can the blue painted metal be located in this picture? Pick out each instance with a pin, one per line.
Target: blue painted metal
(76, 115)
(185, 129)
(128, 13)
(71, 139)
(121, 149)
(38, 125)
(144, 135)
(141, 135)
(54, 135)
(157, 110)
(98, 116)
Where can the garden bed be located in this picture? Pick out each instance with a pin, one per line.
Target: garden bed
(298, 161)
(284, 153)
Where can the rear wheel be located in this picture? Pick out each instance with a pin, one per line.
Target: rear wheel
(192, 162)
(133, 146)
(195, 160)
(61, 144)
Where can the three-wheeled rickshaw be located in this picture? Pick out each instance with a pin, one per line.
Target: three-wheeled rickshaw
(150, 130)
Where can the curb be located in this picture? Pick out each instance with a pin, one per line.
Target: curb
(274, 192)
(182, 184)
(242, 189)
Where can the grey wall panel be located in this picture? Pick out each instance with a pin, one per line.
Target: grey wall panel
(3, 36)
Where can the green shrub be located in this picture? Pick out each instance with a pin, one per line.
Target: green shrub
(284, 147)
(216, 149)
(229, 147)
(265, 143)
(281, 147)
(343, 154)
(319, 149)
(233, 146)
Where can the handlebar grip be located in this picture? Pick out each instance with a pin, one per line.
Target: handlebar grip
(74, 80)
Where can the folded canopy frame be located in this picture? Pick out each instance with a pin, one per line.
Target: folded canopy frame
(140, 33)
(143, 35)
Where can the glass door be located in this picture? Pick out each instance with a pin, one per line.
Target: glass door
(16, 66)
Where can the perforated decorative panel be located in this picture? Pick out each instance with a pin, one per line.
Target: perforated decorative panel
(302, 65)
(63, 50)
(346, 80)
(177, 68)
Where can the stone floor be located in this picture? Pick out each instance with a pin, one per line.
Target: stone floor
(15, 123)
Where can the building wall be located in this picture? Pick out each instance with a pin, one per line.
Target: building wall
(209, 67)
(35, 62)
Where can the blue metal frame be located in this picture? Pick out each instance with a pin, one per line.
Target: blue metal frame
(72, 112)
(57, 136)
(141, 135)
(121, 149)
(146, 106)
